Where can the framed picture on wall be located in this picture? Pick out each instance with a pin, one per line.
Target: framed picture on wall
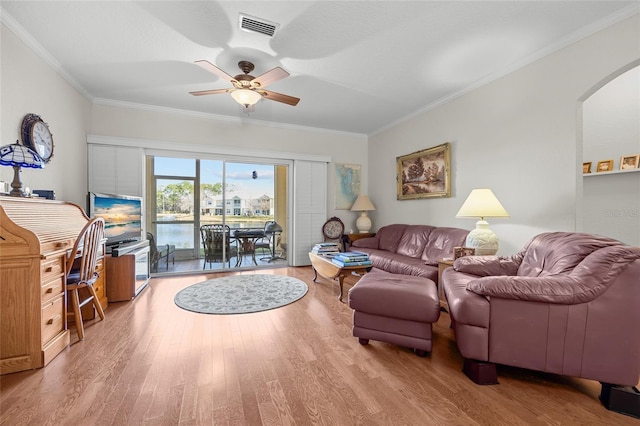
(604, 166)
(347, 184)
(586, 167)
(424, 174)
(628, 162)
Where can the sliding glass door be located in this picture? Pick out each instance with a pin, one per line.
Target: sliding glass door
(196, 201)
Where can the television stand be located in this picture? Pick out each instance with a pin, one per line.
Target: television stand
(127, 271)
(126, 247)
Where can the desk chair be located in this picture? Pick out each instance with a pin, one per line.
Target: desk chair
(216, 241)
(81, 271)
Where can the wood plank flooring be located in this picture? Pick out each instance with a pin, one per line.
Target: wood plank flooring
(150, 362)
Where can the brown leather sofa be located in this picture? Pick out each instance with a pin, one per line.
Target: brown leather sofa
(411, 249)
(568, 303)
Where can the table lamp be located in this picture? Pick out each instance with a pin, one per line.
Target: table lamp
(482, 203)
(363, 204)
(17, 156)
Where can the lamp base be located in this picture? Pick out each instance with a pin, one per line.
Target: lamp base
(16, 185)
(363, 223)
(482, 239)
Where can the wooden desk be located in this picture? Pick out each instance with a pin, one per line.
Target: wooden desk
(35, 237)
(326, 268)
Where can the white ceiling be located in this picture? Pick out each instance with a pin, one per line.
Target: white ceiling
(358, 66)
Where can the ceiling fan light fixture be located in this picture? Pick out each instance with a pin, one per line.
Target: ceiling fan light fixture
(246, 97)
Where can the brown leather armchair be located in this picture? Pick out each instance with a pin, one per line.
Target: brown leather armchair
(568, 303)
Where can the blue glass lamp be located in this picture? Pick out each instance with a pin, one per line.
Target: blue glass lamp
(18, 156)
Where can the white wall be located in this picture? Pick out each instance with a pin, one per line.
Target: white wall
(517, 135)
(611, 129)
(253, 138)
(29, 85)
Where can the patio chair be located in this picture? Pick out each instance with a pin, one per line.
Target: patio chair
(216, 241)
(157, 253)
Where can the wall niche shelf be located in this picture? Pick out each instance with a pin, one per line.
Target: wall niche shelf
(614, 172)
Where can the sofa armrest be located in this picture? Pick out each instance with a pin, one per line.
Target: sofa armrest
(371, 242)
(556, 289)
(592, 277)
(484, 266)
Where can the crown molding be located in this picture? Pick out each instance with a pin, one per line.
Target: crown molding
(222, 118)
(572, 38)
(42, 53)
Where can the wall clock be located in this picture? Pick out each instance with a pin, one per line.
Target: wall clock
(333, 228)
(37, 136)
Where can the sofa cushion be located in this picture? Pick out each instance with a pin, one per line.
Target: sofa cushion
(554, 253)
(413, 240)
(399, 264)
(389, 237)
(588, 280)
(370, 243)
(441, 243)
(484, 266)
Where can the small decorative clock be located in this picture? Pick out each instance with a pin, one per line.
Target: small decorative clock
(37, 136)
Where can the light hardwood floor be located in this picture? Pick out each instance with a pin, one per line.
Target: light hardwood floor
(150, 362)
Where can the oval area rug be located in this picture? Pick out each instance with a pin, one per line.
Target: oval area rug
(241, 294)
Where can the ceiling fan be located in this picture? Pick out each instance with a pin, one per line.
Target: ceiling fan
(247, 89)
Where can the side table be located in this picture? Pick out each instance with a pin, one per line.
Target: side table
(323, 266)
(442, 265)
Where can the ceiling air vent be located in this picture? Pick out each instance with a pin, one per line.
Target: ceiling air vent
(257, 25)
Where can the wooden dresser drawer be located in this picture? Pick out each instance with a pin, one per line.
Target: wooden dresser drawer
(49, 268)
(99, 288)
(52, 318)
(52, 289)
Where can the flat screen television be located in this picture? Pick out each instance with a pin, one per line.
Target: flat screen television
(122, 215)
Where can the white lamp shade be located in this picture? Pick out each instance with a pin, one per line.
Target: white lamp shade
(482, 203)
(246, 97)
(363, 203)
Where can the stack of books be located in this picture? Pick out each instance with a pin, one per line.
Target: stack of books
(328, 249)
(351, 258)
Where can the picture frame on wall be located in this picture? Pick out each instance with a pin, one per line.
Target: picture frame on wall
(586, 167)
(604, 166)
(425, 173)
(628, 162)
(347, 184)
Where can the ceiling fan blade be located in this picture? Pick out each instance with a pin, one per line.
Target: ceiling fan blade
(279, 97)
(270, 76)
(210, 92)
(214, 70)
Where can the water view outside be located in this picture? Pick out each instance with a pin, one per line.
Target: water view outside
(244, 186)
(182, 234)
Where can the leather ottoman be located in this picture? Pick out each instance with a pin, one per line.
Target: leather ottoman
(395, 308)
